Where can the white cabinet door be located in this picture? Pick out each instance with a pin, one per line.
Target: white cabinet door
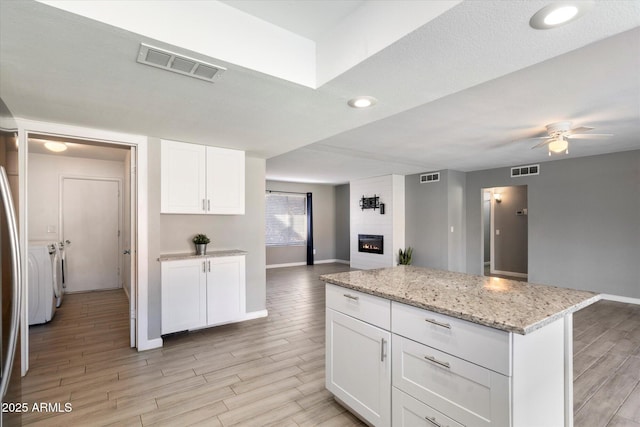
(184, 295)
(225, 289)
(183, 178)
(358, 367)
(225, 181)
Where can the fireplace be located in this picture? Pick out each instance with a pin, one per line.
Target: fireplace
(371, 243)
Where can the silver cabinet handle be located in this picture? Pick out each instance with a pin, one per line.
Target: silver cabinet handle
(204, 206)
(433, 421)
(438, 362)
(208, 205)
(204, 267)
(209, 264)
(383, 343)
(435, 322)
(353, 297)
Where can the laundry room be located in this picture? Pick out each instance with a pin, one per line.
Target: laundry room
(78, 220)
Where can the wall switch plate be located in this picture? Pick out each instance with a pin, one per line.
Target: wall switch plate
(497, 232)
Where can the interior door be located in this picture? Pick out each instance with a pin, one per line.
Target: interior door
(91, 221)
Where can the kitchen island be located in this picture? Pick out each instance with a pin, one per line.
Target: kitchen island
(413, 346)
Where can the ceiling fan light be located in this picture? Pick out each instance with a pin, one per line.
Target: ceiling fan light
(558, 146)
(56, 147)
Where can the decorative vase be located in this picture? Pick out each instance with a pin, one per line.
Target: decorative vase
(201, 248)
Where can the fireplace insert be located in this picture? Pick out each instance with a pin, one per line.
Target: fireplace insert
(371, 243)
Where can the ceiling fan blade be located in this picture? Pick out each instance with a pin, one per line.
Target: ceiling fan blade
(581, 129)
(590, 136)
(542, 143)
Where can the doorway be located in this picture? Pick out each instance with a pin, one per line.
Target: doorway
(77, 200)
(505, 232)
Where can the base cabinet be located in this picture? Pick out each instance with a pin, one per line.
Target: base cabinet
(202, 292)
(410, 412)
(358, 368)
(397, 365)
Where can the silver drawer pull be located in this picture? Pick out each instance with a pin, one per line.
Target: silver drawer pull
(433, 421)
(435, 322)
(439, 362)
(382, 345)
(353, 297)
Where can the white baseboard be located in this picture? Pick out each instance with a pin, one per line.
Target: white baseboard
(298, 264)
(332, 261)
(510, 273)
(619, 298)
(290, 264)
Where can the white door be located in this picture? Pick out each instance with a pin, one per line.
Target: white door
(225, 289)
(91, 222)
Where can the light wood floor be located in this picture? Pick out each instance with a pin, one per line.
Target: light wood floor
(266, 371)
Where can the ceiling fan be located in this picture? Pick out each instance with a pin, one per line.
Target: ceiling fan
(560, 133)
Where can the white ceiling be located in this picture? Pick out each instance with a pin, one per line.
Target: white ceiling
(455, 93)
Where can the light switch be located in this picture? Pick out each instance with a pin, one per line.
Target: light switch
(452, 228)
(497, 232)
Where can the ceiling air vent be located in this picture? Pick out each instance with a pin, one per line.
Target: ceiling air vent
(525, 170)
(184, 65)
(429, 177)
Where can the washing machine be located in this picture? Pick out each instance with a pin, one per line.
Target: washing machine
(43, 283)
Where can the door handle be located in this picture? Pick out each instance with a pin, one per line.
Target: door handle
(127, 252)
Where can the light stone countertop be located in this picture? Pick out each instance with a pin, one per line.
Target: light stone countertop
(210, 254)
(503, 304)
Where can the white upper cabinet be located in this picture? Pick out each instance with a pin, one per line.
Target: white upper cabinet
(225, 180)
(198, 179)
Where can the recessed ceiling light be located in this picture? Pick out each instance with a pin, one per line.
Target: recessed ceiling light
(56, 147)
(362, 101)
(557, 14)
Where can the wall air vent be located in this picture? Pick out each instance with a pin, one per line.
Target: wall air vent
(186, 66)
(430, 177)
(525, 170)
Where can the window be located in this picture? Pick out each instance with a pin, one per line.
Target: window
(286, 219)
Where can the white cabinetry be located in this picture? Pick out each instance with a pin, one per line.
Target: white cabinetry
(445, 371)
(198, 179)
(225, 289)
(184, 295)
(358, 366)
(201, 292)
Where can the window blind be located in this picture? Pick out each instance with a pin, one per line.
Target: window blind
(286, 219)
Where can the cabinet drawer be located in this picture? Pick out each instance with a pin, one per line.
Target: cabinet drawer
(368, 308)
(409, 412)
(468, 393)
(479, 344)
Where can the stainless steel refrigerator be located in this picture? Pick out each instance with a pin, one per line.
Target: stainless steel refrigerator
(10, 272)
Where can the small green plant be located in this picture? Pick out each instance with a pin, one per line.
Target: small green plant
(201, 239)
(404, 257)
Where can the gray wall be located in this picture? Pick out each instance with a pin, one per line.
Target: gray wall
(342, 215)
(170, 233)
(323, 224)
(584, 222)
(510, 247)
(431, 209)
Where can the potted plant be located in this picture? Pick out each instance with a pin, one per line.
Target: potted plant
(201, 241)
(404, 257)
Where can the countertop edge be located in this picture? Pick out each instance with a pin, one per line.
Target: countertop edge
(210, 254)
(469, 317)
